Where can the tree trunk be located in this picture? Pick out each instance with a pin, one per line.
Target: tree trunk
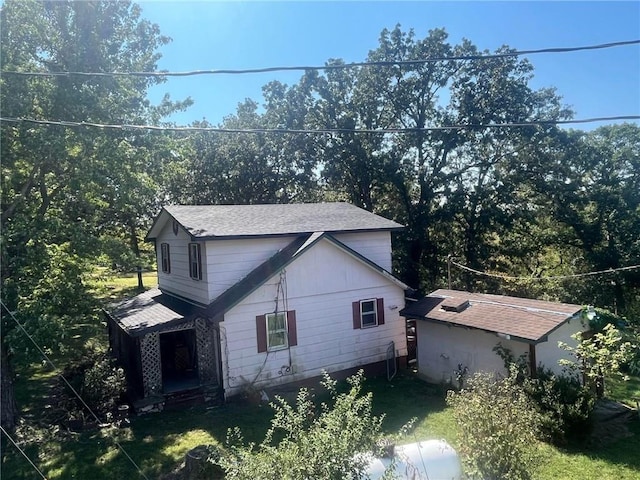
(8, 409)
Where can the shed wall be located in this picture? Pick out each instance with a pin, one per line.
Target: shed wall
(548, 353)
(441, 348)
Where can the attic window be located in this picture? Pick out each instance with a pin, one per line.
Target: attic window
(454, 305)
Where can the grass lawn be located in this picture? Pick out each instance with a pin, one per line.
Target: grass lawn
(158, 442)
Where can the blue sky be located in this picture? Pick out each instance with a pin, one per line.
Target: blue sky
(239, 35)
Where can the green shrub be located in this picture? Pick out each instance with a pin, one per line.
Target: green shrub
(498, 427)
(565, 404)
(98, 380)
(310, 441)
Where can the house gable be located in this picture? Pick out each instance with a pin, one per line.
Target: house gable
(320, 284)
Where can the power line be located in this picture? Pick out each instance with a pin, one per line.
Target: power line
(557, 277)
(53, 365)
(23, 453)
(514, 53)
(533, 123)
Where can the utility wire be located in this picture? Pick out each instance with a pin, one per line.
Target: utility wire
(533, 123)
(513, 53)
(557, 277)
(53, 365)
(23, 453)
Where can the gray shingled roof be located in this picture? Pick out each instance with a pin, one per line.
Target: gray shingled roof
(520, 318)
(224, 221)
(152, 310)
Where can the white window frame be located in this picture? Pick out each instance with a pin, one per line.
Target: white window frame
(195, 251)
(284, 331)
(373, 313)
(165, 258)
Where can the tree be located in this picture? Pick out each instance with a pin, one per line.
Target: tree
(305, 441)
(452, 188)
(599, 356)
(246, 168)
(65, 189)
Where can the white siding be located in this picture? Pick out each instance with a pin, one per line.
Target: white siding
(441, 348)
(376, 246)
(179, 281)
(229, 261)
(548, 353)
(321, 285)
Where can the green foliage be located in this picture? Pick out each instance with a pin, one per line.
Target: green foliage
(564, 403)
(98, 380)
(306, 441)
(498, 427)
(600, 355)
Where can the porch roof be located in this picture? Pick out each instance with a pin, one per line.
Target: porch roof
(521, 319)
(152, 310)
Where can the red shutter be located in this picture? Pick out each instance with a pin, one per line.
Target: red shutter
(261, 330)
(357, 321)
(291, 326)
(380, 308)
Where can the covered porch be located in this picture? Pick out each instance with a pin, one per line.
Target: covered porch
(168, 348)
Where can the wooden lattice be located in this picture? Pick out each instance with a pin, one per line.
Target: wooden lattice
(206, 341)
(151, 365)
(207, 361)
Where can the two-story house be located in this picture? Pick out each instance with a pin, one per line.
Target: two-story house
(254, 296)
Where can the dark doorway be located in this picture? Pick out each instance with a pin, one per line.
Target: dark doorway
(179, 360)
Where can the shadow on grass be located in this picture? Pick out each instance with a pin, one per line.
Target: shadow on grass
(624, 452)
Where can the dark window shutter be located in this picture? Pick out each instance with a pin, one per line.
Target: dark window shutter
(380, 308)
(291, 326)
(357, 322)
(261, 330)
(168, 259)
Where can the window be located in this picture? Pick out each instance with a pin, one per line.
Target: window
(276, 331)
(195, 261)
(165, 258)
(368, 313)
